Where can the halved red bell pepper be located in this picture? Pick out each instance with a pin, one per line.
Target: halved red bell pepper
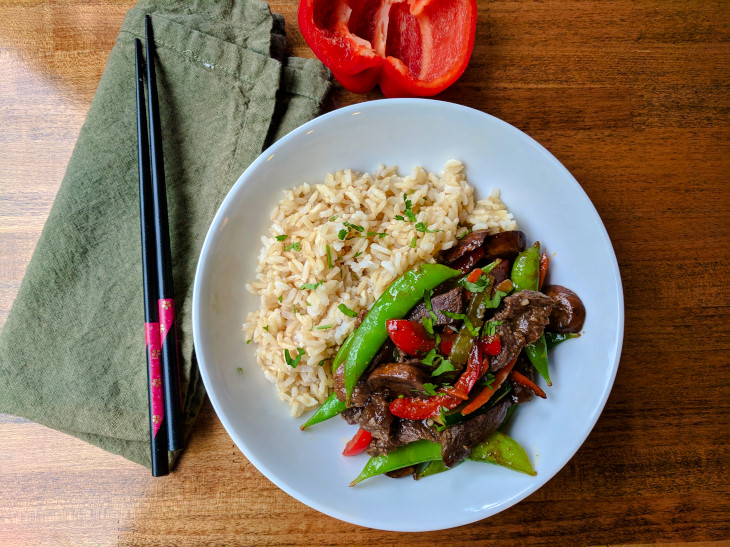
(408, 47)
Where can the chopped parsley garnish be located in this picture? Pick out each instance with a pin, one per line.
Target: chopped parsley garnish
(282, 237)
(353, 226)
(294, 308)
(321, 363)
(249, 341)
(294, 246)
(430, 389)
(329, 256)
(490, 329)
(310, 286)
(293, 361)
(445, 366)
(240, 370)
(478, 286)
(342, 234)
(433, 359)
(324, 327)
(427, 323)
(347, 311)
(487, 379)
(357, 254)
(380, 235)
(266, 328)
(413, 243)
(281, 298)
(334, 218)
(427, 300)
(461, 317)
(408, 213)
(423, 227)
(496, 299)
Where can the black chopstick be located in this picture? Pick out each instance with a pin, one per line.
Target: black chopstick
(165, 293)
(158, 424)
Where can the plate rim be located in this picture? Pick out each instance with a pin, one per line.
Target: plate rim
(266, 154)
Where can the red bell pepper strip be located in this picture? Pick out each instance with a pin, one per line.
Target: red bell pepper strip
(544, 263)
(491, 345)
(415, 408)
(447, 341)
(410, 337)
(529, 385)
(358, 443)
(484, 395)
(412, 48)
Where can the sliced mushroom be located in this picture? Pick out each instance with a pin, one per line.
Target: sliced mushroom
(569, 313)
(398, 379)
(504, 245)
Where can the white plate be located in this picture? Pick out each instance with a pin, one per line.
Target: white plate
(548, 205)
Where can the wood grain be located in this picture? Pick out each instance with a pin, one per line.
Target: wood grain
(632, 96)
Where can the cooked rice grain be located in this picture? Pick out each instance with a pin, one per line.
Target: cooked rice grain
(362, 267)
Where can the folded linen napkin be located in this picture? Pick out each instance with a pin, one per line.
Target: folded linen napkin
(72, 351)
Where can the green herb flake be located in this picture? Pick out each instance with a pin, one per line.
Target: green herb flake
(353, 226)
(478, 286)
(357, 254)
(427, 300)
(282, 237)
(413, 243)
(495, 300)
(342, 234)
(429, 389)
(430, 357)
(293, 361)
(310, 286)
(347, 311)
(249, 341)
(428, 325)
(296, 246)
(380, 235)
(487, 379)
(329, 256)
(239, 370)
(423, 227)
(334, 218)
(321, 363)
(490, 329)
(324, 327)
(266, 328)
(444, 366)
(281, 298)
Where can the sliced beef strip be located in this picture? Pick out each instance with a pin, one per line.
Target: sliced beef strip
(402, 432)
(400, 473)
(398, 379)
(451, 301)
(569, 312)
(376, 418)
(468, 243)
(523, 317)
(458, 440)
(501, 272)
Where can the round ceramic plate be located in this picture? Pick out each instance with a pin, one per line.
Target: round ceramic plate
(548, 204)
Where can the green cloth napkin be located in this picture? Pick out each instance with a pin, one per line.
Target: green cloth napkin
(72, 351)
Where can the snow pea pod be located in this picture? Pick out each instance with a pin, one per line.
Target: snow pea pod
(499, 449)
(554, 338)
(397, 300)
(526, 276)
(526, 269)
(405, 456)
(332, 405)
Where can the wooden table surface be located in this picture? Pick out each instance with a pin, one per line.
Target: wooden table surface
(630, 95)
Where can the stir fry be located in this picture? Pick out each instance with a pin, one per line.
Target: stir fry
(443, 358)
